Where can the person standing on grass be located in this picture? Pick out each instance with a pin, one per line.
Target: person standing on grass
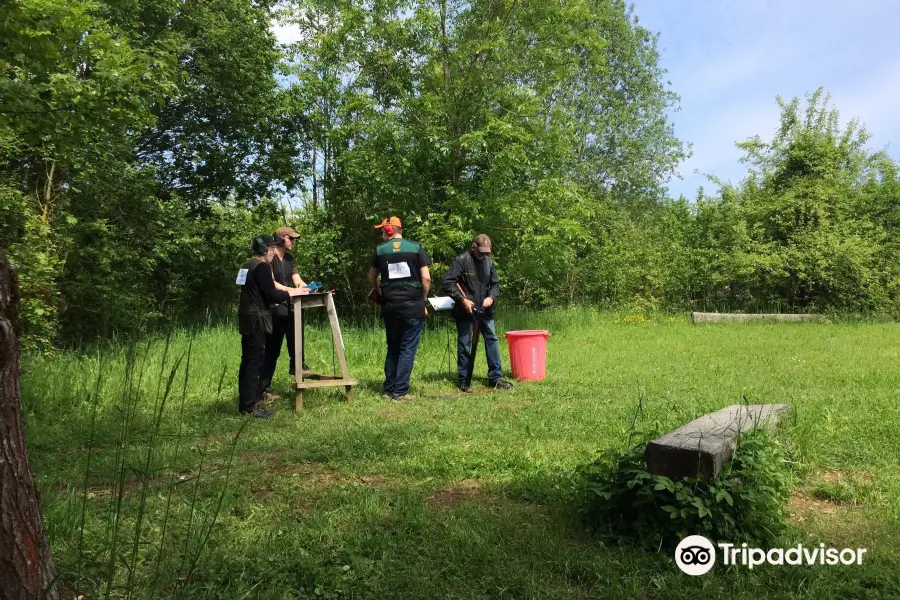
(402, 266)
(284, 269)
(258, 294)
(473, 284)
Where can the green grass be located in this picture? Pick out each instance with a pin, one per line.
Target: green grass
(446, 496)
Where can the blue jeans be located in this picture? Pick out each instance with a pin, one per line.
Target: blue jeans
(464, 328)
(403, 337)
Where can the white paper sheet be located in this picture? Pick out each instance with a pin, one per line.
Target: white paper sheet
(398, 270)
(441, 302)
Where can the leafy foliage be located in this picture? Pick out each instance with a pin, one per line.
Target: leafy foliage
(527, 120)
(110, 115)
(745, 503)
(143, 144)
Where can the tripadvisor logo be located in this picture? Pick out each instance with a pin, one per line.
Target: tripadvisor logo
(696, 555)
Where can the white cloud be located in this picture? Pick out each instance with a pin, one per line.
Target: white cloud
(286, 33)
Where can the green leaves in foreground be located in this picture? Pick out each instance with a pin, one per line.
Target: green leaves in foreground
(744, 503)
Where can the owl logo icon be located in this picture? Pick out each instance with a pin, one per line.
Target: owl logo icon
(695, 555)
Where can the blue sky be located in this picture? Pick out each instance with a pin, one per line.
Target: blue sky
(729, 60)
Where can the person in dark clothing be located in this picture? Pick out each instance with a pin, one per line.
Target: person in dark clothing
(405, 280)
(258, 293)
(473, 284)
(284, 269)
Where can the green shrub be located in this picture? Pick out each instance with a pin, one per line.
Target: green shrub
(745, 503)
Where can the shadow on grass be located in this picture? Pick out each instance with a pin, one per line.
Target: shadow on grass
(311, 521)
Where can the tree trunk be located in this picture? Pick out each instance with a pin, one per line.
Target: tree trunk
(449, 104)
(315, 183)
(26, 568)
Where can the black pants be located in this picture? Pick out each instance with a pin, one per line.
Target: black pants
(253, 353)
(281, 327)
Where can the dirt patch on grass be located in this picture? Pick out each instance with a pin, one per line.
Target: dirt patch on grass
(802, 507)
(128, 488)
(270, 462)
(843, 487)
(829, 521)
(394, 413)
(311, 474)
(279, 464)
(317, 476)
(259, 472)
(456, 494)
(373, 479)
(832, 476)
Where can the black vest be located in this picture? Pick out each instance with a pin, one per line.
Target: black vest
(401, 279)
(253, 309)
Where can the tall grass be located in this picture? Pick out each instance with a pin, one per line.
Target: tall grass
(113, 516)
(153, 487)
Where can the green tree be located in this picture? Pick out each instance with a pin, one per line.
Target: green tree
(471, 116)
(813, 243)
(809, 228)
(70, 93)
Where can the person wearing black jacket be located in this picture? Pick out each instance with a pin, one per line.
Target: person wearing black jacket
(258, 293)
(284, 269)
(473, 284)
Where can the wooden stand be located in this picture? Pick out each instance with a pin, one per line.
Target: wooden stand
(313, 380)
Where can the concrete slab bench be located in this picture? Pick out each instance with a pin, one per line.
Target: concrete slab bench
(700, 448)
(701, 317)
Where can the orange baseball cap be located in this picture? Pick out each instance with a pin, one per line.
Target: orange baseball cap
(392, 221)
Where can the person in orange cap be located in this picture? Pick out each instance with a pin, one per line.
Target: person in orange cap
(402, 266)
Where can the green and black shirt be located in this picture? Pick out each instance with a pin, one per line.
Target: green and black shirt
(399, 262)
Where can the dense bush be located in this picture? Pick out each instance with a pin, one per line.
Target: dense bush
(745, 503)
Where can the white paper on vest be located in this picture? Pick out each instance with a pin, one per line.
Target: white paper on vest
(398, 270)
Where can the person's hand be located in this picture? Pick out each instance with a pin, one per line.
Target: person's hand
(470, 306)
(488, 302)
(303, 290)
(296, 292)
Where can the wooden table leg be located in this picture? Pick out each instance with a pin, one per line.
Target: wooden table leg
(336, 336)
(349, 389)
(298, 349)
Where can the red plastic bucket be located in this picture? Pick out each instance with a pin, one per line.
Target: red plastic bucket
(528, 354)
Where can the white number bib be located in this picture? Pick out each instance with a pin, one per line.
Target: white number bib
(398, 270)
(242, 277)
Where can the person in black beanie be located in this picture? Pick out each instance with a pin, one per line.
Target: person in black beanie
(258, 293)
